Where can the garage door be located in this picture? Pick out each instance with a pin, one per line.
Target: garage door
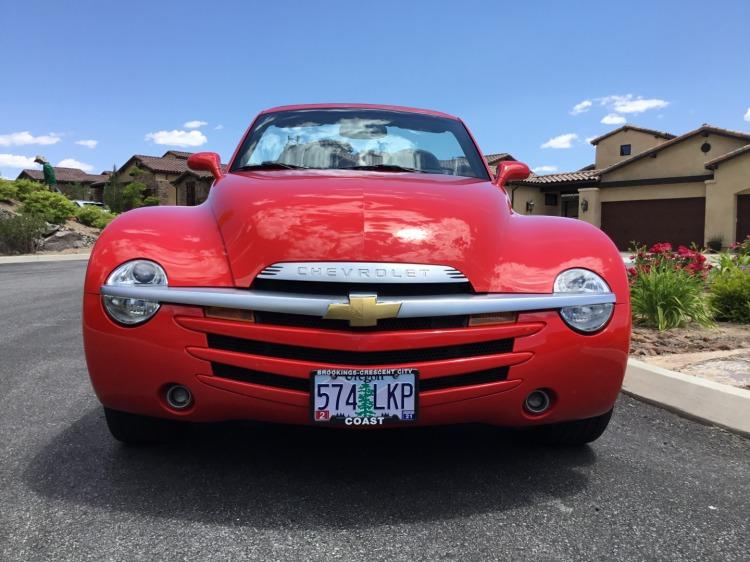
(679, 221)
(743, 217)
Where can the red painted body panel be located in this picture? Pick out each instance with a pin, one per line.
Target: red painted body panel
(254, 219)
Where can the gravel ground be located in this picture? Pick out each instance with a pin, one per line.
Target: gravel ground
(655, 486)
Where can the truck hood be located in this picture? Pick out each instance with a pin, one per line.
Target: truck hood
(269, 217)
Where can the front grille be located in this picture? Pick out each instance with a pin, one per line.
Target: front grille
(346, 357)
(293, 383)
(343, 289)
(304, 321)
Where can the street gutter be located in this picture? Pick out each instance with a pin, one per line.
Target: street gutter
(44, 257)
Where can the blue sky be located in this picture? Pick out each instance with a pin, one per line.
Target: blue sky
(130, 75)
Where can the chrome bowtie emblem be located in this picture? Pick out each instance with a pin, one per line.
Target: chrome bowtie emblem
(363, 310)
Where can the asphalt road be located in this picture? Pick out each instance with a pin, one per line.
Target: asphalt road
(655, 486)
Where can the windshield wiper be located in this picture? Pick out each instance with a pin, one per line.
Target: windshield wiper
(386, 168)
(271, 166)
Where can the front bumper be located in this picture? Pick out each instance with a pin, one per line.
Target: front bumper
(130, 367)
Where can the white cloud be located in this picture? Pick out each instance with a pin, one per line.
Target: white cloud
(747, 114)
(544, 169)
(195, 124)
(561, 141)
(589, 139)
(582, 107)
(178, 138)
(88, 143)
(218, 127)
(25, 137)
(16, 161)
(72, 163)
(613, 119)
(631, 104)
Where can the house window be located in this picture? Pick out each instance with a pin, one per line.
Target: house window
(550, 199)
(624, 150)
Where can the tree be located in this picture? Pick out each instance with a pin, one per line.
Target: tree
(112, 193)
(364, 401)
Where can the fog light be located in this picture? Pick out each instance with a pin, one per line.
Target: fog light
(537, 402)
(179, 397)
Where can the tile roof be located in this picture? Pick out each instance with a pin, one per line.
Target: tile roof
(713, 164)
(705, 128)
(159, 163)
(497, 157)
(178, 154)
(582, 176)
(654, 132)
(65, 175)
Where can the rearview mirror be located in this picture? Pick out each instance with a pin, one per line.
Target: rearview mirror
(510, 171)
(206, 162)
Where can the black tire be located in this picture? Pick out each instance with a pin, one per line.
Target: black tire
(577, 432)
(140, 430)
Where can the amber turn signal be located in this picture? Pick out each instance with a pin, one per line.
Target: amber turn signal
(492, 318)
(229, 314)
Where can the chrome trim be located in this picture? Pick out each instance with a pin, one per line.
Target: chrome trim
(317, 305)
(362, 272)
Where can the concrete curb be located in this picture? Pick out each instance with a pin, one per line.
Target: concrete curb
(696, 398)
(44, 257)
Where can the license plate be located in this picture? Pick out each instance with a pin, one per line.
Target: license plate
(364, 397)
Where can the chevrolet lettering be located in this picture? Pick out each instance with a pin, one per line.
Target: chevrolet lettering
(360, 267)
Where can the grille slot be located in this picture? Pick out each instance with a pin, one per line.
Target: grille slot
(293, 383)
(346, 357)
(342, 289)
(303, 321)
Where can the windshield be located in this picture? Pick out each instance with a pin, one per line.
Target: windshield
(360, 139)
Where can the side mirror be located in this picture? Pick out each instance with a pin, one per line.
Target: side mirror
(206, 162)
(509, 171)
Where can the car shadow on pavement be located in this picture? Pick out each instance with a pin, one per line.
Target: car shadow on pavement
(294, 477)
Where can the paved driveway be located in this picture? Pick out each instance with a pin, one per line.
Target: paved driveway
(654, 487)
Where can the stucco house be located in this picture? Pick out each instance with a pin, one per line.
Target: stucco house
(648, 186)
(156, 172)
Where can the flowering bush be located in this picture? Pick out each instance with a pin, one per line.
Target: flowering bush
(667, 288)
(661, 255)
(741, 248)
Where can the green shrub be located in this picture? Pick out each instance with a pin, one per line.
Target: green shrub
(27, 187)
(49, 206)
(150, 201)
(94, 216)
(8, 190)
(665, 297)
(730, 294)
(19, 234)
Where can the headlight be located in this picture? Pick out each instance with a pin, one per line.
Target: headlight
(588, 318)
(130, 311)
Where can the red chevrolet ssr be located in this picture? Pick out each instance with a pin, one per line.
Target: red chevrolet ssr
(355, 266)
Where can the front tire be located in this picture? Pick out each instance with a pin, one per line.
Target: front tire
(578, 432)
(133, 429)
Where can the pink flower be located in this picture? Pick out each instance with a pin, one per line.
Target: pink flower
(661, 248)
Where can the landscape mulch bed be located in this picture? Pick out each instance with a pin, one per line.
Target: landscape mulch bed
(723, 337)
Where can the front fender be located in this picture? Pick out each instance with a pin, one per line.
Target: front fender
(183, 240)
(537, 248)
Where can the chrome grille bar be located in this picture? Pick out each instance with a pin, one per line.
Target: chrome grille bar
(317, 305)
